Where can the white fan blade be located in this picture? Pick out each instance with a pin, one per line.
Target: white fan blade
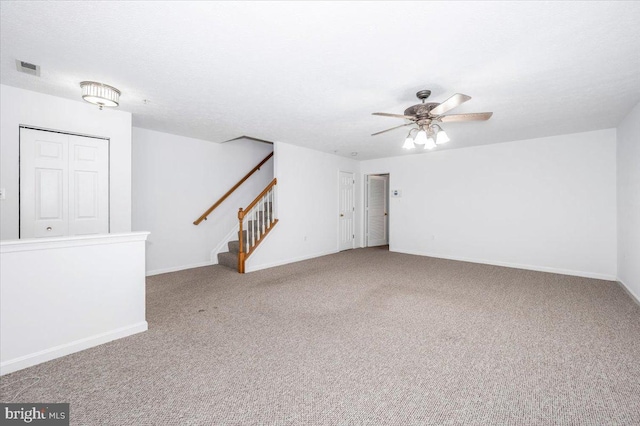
(454, 101)
(476, 116)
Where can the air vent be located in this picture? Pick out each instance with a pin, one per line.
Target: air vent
(28, 68)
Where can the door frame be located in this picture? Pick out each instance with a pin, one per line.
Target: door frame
(84, 135)
(365, 210)
(353, 186)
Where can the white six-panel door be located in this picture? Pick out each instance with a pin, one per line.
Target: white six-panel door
(377, 218)
(64, 184)
(88, 186)
(346, 226)
(43, 184)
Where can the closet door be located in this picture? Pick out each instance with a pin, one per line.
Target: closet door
(64, 184)
(88, 186)
(43, 184)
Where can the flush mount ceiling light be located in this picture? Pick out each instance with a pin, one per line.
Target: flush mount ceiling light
(426, 115)
(100, 94)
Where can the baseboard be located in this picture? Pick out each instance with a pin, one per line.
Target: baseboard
(629, 291)
(30, 360)
(254, 268)
(583, 274)
(179, 268)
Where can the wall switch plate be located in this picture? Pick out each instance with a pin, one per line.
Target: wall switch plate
(2, 194)
(396, 193)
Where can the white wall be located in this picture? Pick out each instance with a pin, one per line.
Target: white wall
(307, 195)
(175, 179)
(85, 291)
(628, 154)
(546, 204)
(23, 107)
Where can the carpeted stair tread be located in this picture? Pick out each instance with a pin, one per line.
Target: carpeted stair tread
(230, 260)
(234, 246)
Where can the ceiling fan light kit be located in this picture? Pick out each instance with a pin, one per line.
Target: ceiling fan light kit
(408, 143)
(421, 138)
(441, 136)
(426, 116)
(430, 143)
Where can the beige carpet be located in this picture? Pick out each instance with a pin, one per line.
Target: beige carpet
(361, 337)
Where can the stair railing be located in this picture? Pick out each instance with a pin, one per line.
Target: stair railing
(255, 222)
(229, 192)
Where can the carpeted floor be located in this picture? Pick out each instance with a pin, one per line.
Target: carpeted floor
(360, 337)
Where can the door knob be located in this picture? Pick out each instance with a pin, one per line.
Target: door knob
(341, 215)
(49, 228)
(385, 214)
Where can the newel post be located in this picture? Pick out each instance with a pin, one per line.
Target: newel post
(240, 238)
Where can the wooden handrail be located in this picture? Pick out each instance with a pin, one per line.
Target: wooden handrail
(229, 192)
(242, 212)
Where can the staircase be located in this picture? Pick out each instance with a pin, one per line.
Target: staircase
(251, 233)
(254, 222)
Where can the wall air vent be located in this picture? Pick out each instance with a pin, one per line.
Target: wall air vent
(28, 68)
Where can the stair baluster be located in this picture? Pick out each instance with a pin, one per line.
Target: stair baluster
(254, 223)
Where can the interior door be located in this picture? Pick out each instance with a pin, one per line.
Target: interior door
(377, 215)
(43, 184)
(64, 184)
(88, 186)
(346, 237)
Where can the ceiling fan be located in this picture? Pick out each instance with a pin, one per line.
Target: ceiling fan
(426, 117)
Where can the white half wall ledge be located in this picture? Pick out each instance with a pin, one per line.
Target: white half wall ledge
(73, 293)
(583, 274)
(31, 244)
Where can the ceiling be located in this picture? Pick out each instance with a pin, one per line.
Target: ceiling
(311, 73)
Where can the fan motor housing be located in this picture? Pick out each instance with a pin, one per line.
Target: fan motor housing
(421, 110)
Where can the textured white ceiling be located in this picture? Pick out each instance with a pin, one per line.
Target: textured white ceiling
(311, 73)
